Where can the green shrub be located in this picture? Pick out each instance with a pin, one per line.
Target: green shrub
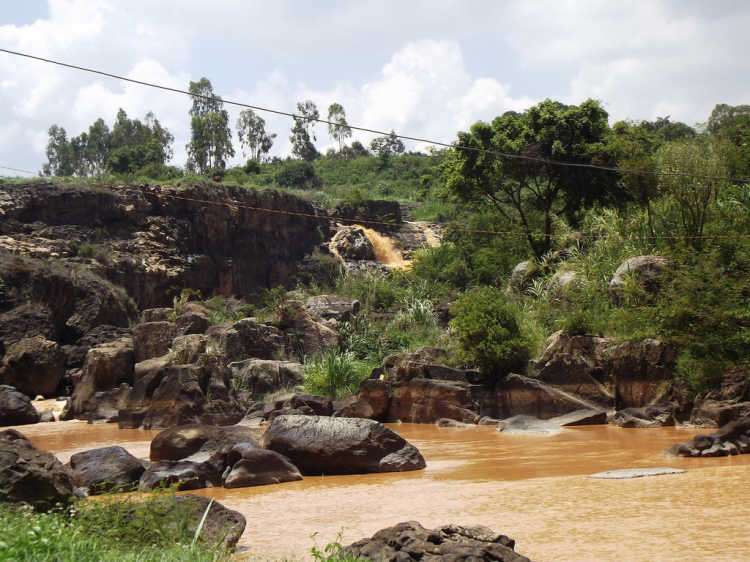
(488, 331)
(297, 174)
(85, 250)
(334, 374)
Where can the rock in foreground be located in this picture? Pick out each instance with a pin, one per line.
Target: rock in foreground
(341, 445)
(410, 541)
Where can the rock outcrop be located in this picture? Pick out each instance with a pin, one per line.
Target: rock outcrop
(16, 408)
(732, 439)
(34, 366)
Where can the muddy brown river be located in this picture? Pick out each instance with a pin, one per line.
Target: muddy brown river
(534, 489)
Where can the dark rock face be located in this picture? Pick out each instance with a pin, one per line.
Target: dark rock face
(372, 401)
(427, 401)
(101, 470)
(201, 470)
(411, 542)
(644, 372)
(153, 339)
(34, 366)
(153, 241)
(732, 439)
(181, 442)
(249, 465)
(340, 446)
(516, 394)
(298, 403)
(30, 476)
(262, 377)
(16, 408)
(248, 338)
(527, 424)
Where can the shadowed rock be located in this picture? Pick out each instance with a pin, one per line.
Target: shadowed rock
(249, 465)
(16, 408)
(183, 441)
(101, 470)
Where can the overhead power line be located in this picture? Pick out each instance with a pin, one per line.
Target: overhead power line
(374, 131)
(377, 223)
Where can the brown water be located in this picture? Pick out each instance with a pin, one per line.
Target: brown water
(384, 250)
(534, 489)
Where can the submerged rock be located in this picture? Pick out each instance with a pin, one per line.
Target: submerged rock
(527, 424)
(625, 473)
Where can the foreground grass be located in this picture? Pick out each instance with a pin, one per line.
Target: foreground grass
(91, 532)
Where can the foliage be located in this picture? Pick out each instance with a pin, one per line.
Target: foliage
(334, 374)
(488, 332)
(297, 174)
(388, 145)
(210, 136)
(338, 128)
(522, 190)
(251, 130)
(118, 529)
(302, 136)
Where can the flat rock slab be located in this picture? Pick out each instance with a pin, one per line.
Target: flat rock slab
(624, 473)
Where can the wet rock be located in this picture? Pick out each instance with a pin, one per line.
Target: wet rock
(581, 417)
(16, 408)
(200, 470)
(250, 465)
(46, 416)
(262, 377)
(527, 424)
(516, 394)
(411, 542)
(30, 476)
(34, 366)
(647, 270)
(186, 440)
(105, 469)
(427, 401)
(626, 473)
(326, 307)
(340, 446)
(353, 244)
(731, 439)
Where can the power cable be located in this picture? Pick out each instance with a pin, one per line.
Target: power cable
(376, 223)
(367, 130)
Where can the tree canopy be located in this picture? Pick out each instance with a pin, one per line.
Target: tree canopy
(210, 136)
(527, 191)
(302, 136)
(251, 130)
(338, 128)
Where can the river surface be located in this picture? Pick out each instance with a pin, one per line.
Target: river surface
(535, 489)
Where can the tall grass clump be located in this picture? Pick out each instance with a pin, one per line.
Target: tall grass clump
(334, 374)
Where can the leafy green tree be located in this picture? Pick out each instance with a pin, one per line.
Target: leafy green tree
(356, 150)
(98, 146)
(668, 130)
(251, 130)
(302, 132)
(521, 189)
(210, 136)
(338, 128)
(732, 123)
(59, 151)
(388, 145)
(704, 160)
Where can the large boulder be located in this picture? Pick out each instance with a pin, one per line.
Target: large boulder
(183, 441)
(261, 377)
(30, 476)
(16, 408)
(340, 446)
(411, 542)
(105, 469)
(202, 470)
(427, 401)
(106, 368)
(353, 244)
(647, 271)
(34, 366)
(373, 401)
(332, 307)
(250, 465)
(153, 339)
(731, 439)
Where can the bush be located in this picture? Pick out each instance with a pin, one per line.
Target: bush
(334, 374)
(297, 174)
(488, 331)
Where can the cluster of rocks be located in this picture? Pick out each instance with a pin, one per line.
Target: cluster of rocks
(411, 542)
(732, 438)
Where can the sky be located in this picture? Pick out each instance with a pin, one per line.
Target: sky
(423, 68)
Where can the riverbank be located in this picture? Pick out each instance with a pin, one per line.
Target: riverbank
(531, 488)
